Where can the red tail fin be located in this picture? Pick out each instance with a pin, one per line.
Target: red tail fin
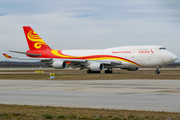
(33, 40)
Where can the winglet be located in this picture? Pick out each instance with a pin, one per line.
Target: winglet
(7, 56)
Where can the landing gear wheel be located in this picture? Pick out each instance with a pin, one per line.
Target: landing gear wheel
(157, 72)
(89, 71)
(109, 71)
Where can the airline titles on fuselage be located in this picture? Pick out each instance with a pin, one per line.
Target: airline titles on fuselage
(139, 52)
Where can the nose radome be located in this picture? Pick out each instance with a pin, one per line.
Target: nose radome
(175, 57)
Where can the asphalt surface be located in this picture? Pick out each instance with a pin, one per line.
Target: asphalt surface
(149, 95)
(66, 71)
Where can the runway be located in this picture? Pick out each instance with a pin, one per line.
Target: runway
(149, 95)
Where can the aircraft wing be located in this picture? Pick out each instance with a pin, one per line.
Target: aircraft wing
(43, 59)
(112, 62)
(74, 63)
(82, 64)
(67, 60)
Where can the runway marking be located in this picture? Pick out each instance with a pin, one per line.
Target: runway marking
(139, 85)
(83, 89)
(78, 89)
(156, 82)
(10, 83)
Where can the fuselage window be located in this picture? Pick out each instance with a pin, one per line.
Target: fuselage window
(162, 48)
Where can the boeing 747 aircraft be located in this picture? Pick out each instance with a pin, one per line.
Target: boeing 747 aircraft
(126, 57)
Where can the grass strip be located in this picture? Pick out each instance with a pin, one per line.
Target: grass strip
(82, 75)
(22, 112)
(89, 76)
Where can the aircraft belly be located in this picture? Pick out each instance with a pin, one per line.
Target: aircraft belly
(124, 65)
(150, 62)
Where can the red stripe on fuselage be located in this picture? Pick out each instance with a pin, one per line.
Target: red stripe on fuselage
(48, 54)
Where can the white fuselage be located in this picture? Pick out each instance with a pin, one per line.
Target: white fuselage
(144, 56)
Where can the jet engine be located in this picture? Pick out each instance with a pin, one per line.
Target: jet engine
(96, 66)
(132, 69)
(58, 64)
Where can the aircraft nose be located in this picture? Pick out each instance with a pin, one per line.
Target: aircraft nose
(169, 57)
(175, 57)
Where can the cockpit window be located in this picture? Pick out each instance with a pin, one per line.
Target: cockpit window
(162, 48)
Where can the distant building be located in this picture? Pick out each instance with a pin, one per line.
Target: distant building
(173, 65)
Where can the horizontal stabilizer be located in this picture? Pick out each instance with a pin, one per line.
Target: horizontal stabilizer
(32, 54)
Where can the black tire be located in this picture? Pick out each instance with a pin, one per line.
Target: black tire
(108, 71)
(89, 71)
(157, 72)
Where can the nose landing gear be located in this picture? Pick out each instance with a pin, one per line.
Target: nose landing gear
(157, 70)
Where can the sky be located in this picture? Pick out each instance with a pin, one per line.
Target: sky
(90, 24)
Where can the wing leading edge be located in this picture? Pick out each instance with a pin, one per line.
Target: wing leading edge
(72, 62)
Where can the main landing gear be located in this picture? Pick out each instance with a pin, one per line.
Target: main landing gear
(109, 71)
(89, 71)
(157, 70)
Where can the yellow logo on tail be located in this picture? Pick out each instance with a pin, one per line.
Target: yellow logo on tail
(34, 37)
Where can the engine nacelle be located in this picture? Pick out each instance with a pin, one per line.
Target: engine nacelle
(132, 69)
(58, 64)
(96, 66)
